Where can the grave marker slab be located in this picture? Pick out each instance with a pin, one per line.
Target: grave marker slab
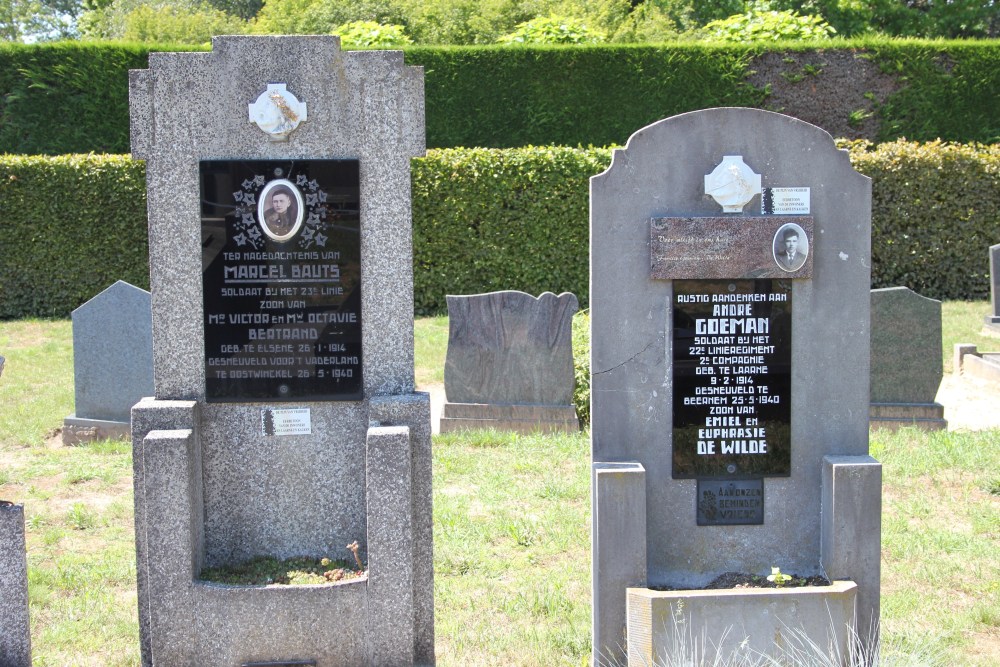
(282, 307)
(510, 362)
(906, 363)
(730, 360)
(112, 362)
(993, 319)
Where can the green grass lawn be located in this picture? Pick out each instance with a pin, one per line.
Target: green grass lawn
(511, 526)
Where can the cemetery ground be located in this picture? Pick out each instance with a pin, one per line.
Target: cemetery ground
(511, 525)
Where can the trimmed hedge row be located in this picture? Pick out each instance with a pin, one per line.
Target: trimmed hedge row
(935, 213)
(489, 219)
(484, 220)
(70, 226)
(73, 96)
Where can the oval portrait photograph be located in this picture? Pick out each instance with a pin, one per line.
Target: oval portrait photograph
(280, 209)
(791, 247)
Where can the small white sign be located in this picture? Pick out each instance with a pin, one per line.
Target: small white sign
(290, 421)
(785, 201)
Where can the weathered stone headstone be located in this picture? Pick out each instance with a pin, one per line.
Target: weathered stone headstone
(906, 367)
(730, 255)
(509, 364)
(284, 421)
(993, 319)
(112, 363)
(15, 635)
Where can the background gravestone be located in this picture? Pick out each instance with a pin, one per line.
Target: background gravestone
(664, 256)
(284, 420)
(993, 319)
(112, 363)
(510, 362)
(906, 366)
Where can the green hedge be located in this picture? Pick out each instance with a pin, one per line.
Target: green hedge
(73, 96)
(935, 213)
(489, 219)
(69, 227)
(70, 97)
(486, 219)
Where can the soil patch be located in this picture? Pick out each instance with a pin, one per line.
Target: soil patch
(745, 580)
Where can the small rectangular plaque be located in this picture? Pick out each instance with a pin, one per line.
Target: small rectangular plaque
(785, 201)
(730, 502)
(731, 248)
(289, 421)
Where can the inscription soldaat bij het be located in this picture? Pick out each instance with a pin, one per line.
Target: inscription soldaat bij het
(282, 280)
(732, 378)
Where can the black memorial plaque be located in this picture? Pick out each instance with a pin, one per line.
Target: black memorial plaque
(281, 262)
(732, 346)
(730, 502)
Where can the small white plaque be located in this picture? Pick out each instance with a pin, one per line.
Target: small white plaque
(785, 201)
(289, 421)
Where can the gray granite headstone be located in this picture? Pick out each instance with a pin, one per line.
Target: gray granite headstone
(668, 177)
(220, 480)
(510, 349)
(993, 319)
(112, 362)
(15, 637)
(906, 366)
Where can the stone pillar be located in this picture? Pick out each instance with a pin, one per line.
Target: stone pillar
(851, 533)
(390, 546)
(618, 553)
(15, 637)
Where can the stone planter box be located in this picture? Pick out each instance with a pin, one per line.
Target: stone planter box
(751, 620)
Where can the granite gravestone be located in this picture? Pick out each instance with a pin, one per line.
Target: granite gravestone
(730, 365)
(993, 319)
(15, 634)
(906, 366)
(283, 421)
(509, 364)
(112, 363)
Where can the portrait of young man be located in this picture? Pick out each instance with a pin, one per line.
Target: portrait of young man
(280, 210)
(791, 247)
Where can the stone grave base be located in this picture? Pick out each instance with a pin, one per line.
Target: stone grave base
(992, 326)
(515, 417)
(925, 416)
(744, 620)
(77, 430)
(381, 619)
(969, 361)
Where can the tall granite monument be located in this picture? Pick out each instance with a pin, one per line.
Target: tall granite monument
(284, 421)
(730, 268)
(15, 633)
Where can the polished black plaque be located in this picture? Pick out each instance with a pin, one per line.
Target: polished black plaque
(732, 351)
(732, 502)
(281, 262)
